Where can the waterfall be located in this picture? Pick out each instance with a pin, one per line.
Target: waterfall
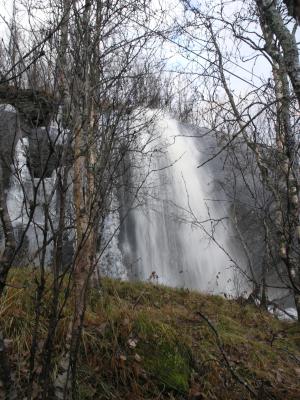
(180, 231)
(110, 260)
(173, 226)
(20, 196)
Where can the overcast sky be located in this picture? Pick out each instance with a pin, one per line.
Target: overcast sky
(242, 69)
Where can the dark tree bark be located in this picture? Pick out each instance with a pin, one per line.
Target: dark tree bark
(293, 7)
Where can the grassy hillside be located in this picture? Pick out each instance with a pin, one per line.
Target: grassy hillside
(142, 341)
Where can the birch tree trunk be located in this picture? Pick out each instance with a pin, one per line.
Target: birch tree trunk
(82, 116)
(5, 265)
(286, 216)
(268, 9)
(287, 204)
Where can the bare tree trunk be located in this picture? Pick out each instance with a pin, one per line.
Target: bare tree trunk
(293, 7)
(287, 204)
(5, 265)
(285, 142)
(10, 242)
(270, 12)
(84, 261)
(84, 205)
(5, 373)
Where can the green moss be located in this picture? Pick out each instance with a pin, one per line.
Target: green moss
(178, 350)
(166, 357)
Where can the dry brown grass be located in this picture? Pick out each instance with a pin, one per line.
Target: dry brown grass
(142, 341)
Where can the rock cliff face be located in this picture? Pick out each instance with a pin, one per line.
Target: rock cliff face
(35, 107)
(10, 133)
(29, 157)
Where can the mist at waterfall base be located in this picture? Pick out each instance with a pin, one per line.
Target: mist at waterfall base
(176, 232)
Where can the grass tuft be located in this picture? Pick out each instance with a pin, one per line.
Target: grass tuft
(143, 341)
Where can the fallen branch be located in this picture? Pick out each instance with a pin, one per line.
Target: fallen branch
(229, 366)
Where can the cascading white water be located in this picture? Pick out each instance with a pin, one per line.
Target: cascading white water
(17, 192)
(20, 196)
(172, 240)
(166, 234)
(109, 257)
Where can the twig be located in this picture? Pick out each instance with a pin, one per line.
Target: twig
(221, 348)
(15, 286)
